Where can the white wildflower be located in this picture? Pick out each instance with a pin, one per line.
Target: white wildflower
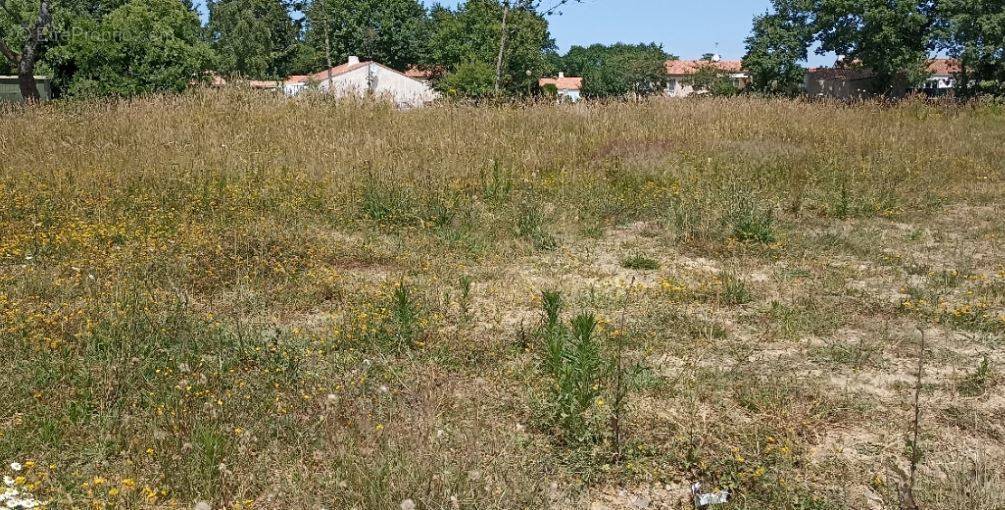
(15, 467)
(13, 499)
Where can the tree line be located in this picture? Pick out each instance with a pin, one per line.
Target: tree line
(478, 48)
(893, 38)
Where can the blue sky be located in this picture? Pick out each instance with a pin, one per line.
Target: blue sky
(686, 28)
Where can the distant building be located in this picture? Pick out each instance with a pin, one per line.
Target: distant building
(360, 79)
(856, 82)
(943, 78)
(681, 73)
(568, 87)
(839, 82)
(10, 89)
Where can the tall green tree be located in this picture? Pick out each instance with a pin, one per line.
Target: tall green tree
(140, 47)
(23, 26)
(253, 38)
(619, 69)
(473, 33)
(892, 37)
(973, 31)
(392, 32)
(470, 79)
(508, 6)
(777, 47)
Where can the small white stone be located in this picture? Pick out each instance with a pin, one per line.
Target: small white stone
(203, 505)
(408, 505)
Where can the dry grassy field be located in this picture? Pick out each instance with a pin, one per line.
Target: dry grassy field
(230, 301)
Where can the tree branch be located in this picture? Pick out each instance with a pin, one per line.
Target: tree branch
(9, 54)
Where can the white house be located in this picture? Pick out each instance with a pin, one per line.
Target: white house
(680, 74)
(568, 87)
(943, 76)
(361, 79)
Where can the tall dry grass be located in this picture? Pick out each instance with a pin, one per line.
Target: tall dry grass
(201, 295)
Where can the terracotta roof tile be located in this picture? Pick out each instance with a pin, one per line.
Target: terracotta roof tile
(423, 74)
(264, 84)
(337, 70)
(689, 67)
(943, 66)
(566, 83)
(938, 67)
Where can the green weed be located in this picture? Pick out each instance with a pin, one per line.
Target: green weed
(733, 290)
(640, 262)
(572, 358)
(752, 221)
(980, 381)
(531, 226)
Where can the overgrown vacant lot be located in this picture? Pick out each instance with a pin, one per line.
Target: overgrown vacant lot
(272, 304)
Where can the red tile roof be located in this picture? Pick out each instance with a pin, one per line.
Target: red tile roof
(273, 84)
(938, 67)
(690, 67)
(337, 70)
(565, 83)
(943, 66)
(264, 84)
(423, 74)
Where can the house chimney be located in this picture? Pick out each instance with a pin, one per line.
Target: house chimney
(561, 75)
(353, 60)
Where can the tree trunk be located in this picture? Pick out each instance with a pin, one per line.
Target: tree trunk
(502, 45)
(26, 78)
(25, 62)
